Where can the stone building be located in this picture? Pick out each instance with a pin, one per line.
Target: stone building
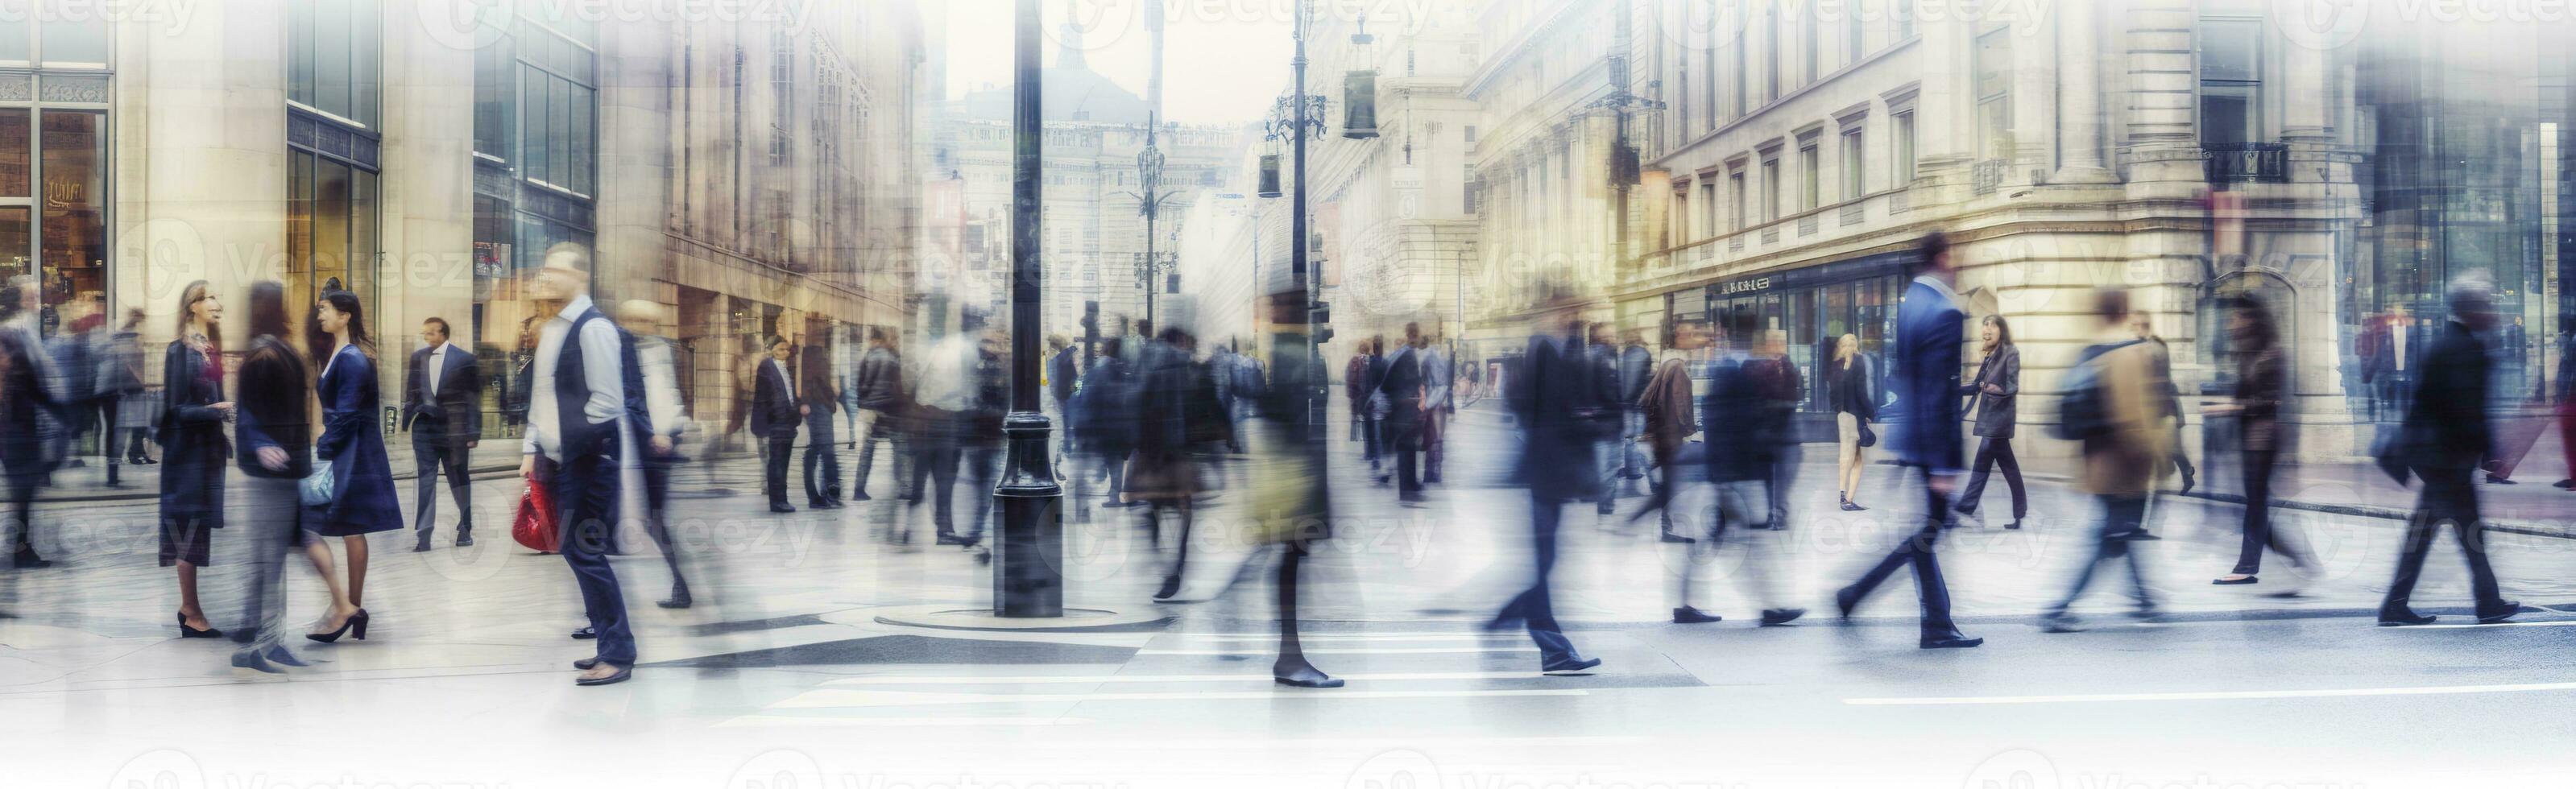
(750, 171)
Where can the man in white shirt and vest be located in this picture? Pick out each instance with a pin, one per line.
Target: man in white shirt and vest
(586, 398)
(775, 414)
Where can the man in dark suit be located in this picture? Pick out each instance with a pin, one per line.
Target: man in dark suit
(774, 416)
(1553, 398)
(1401, 385)
(2446, 436)
(443, 409)
(1930, 324)
(586, 398)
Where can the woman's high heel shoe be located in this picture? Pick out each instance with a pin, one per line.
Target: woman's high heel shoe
(189, 632)
(355, 626)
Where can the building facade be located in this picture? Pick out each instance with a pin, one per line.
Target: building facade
(731, 169)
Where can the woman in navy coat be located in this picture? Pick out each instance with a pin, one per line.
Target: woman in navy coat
(362, 500)
(192, 441)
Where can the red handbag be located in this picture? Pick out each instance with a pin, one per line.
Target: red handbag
(535, 525)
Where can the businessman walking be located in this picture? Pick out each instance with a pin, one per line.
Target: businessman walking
(443, 409)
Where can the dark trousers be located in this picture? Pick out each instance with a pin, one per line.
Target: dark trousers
(657, 523)
(1784, 473)
(1533, 606)
(107, 434)
(1373, 439)
(1435, 426)
(2259, 529)
(585, 489)
(822, 453)
(2450, 497)
(2122, 516)
(1917, 550)
(773, 466)
(434, 454)
(934, 468)
(983, 466)
(1995, 451)
(882, 429)
(1404, 438)
(22, 478)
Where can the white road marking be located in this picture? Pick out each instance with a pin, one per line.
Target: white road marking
(2551, 623)
(831, 698)
(1081, 679)
(2222, 695)
(907, 721)
(1449, 635)
(1349, 651)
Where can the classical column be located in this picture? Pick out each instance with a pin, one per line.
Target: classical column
(2034, 96)
(2079, 109)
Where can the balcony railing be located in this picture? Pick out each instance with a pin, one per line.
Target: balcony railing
(2247, 162)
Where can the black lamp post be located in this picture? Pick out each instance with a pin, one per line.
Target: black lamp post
(1149, 174)
(1028, 580)
(1293, 407)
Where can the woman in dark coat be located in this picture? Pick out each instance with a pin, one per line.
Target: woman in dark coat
(2262, 381)
(193, 447)
(1997, 388)
(362, 481)
(1855, 406)
(1162, 476)
(275, 452)
(1108, 421)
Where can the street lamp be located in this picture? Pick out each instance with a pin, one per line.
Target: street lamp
(1028, 579)
(1149, 174)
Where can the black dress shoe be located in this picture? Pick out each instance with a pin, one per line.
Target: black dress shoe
(2564, 484)
(781, 508)
(1952, 641)
(1570, 664)
(29, 561)
(2140, 535)
(2188, 480)
(1171, 586)
(355, 626)
(1845, 599)
(2488, 615)
(676, 601)
(1669, 536)
(255, 662)
(189, 632)
(1687, 615)
(2496, 480)
(2060, 623)
(463, 539)
(2403, 618)
(586, 632)
(950, 539)
(861, 497)
(1781, 616)
(423, 545)
(585, 663)
(623, 674)
(1295, 672)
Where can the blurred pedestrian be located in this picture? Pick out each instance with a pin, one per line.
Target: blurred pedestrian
(362, 480)
(2168, 402)
(657, 356)
(2566, 396)
(1636, 365)
(583, 412)
(945, 395)
(818, 400)
(1672, 415)
(2262, 383)
(2114, 406)
(74, 351)
(1163, 476)
(979, 444)
(1929, 324)
(2445, 437)
(275, 453)
(192, 438)
(1439, 402)
(30, 394)
(121, 406)
(881, 393)
(1400, 386)
(443, 409)
(1745, 429)
(1776, 379)
(1105, 415)
(1855, 407)
(1601, 350)
(775, 413)
(1560, 409)
(1997, 391)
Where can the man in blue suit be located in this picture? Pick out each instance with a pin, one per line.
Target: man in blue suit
(1924, 371)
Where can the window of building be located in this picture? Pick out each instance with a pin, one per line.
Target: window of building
(1993, 84)
(1708, 226)
(1770, 188)
(1853, 46)
(494, 64)
(1855, 175)
(332, 61)
(1902, 150)
(1743, 74)
(1811, 42)
(2231, 80)
(1810, 166)
(1904, 12)
(557, 98)
(1736, 199)
(54, 155)
(1771, 58)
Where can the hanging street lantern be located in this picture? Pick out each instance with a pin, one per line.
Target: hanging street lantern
(1359, 87)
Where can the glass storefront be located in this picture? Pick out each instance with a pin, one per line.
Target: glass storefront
(534, 170)
(334, 93)
(1808, 310)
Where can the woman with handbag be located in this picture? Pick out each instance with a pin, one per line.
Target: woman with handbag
(1855, 406)
(1997, 388)
(192, 440)
(351, 451)
(274, 431)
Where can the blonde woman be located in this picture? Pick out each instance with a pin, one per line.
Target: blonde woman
(1855, 406)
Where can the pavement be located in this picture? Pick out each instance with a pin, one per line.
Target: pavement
(783, 675)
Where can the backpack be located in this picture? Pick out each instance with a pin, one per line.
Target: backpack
(2083, 409)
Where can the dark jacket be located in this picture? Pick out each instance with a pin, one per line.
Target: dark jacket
(1925, 375)
(1105, 410)
(2446, 424)
(1996, 413)
(455, 414)
(880, 382)
(1060, 373)
(193, 449)
(2261, 380)
(1851, 390)
(272, 410)
(1554, 398)
(1744, 427)
(120, 364)
(1636, 367)
(773, 408)
(1401, 383)
(814, 382)
(362, 477)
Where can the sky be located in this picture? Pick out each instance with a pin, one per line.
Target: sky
(1223, 61)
